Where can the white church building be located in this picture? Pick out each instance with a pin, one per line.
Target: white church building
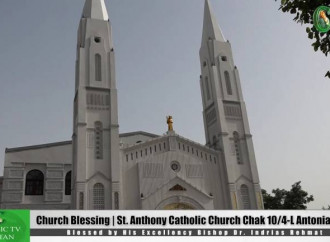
(103, 169)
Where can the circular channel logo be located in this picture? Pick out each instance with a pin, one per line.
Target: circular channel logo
(321, 19)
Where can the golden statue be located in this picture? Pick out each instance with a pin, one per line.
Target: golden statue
(169, 123)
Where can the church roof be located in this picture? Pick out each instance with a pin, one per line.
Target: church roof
(95, 9)
(40, 146)
(154, 137)
(196, 143)
(211, 29)
(137, 133)
(165, 136)
(69, 142)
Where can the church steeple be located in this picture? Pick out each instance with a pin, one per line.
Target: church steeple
(225, 117)
(95, 9)
(211, 29)
(96, 166)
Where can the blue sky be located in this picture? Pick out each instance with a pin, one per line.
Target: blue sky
(157, 68)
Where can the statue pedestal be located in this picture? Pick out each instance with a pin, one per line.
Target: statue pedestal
(170, 132)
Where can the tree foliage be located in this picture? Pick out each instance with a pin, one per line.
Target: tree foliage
(296, 198)
(303, 11)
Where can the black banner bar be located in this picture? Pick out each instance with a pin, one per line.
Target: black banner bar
(180, 232)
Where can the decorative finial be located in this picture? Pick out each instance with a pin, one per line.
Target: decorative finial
(169, 121)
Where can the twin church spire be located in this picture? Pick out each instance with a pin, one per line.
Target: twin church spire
(96, 9)
(97, 156)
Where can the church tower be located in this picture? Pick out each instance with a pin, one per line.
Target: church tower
(96, 171)
(225, 117)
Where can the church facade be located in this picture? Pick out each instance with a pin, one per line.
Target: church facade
(103, 169)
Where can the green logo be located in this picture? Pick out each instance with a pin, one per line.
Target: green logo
(14, 226)
(321, 19)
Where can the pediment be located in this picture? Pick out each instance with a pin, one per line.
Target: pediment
(242, 177)
(98, 174)
(177, 187)
(178, 184)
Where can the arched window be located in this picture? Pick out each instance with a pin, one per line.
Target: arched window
(228, 83)
(98, 69)
(34, 183)
(98, 140)
(207, 86)
(245, 197)
(237, 147)
(68, 183)
(98, 196)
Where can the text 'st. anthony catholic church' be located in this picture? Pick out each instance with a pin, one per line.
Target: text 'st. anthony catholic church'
(102, 169)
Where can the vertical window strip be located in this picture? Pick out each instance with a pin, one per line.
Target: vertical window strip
(228, 83)
(237, 146)
(98, 140)
(207, 87)
(68, 183)
(98, 69)
(81, 200)
(245, 197)
(116, 200)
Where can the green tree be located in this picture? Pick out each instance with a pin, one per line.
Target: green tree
(296, 198)
(303, 11)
